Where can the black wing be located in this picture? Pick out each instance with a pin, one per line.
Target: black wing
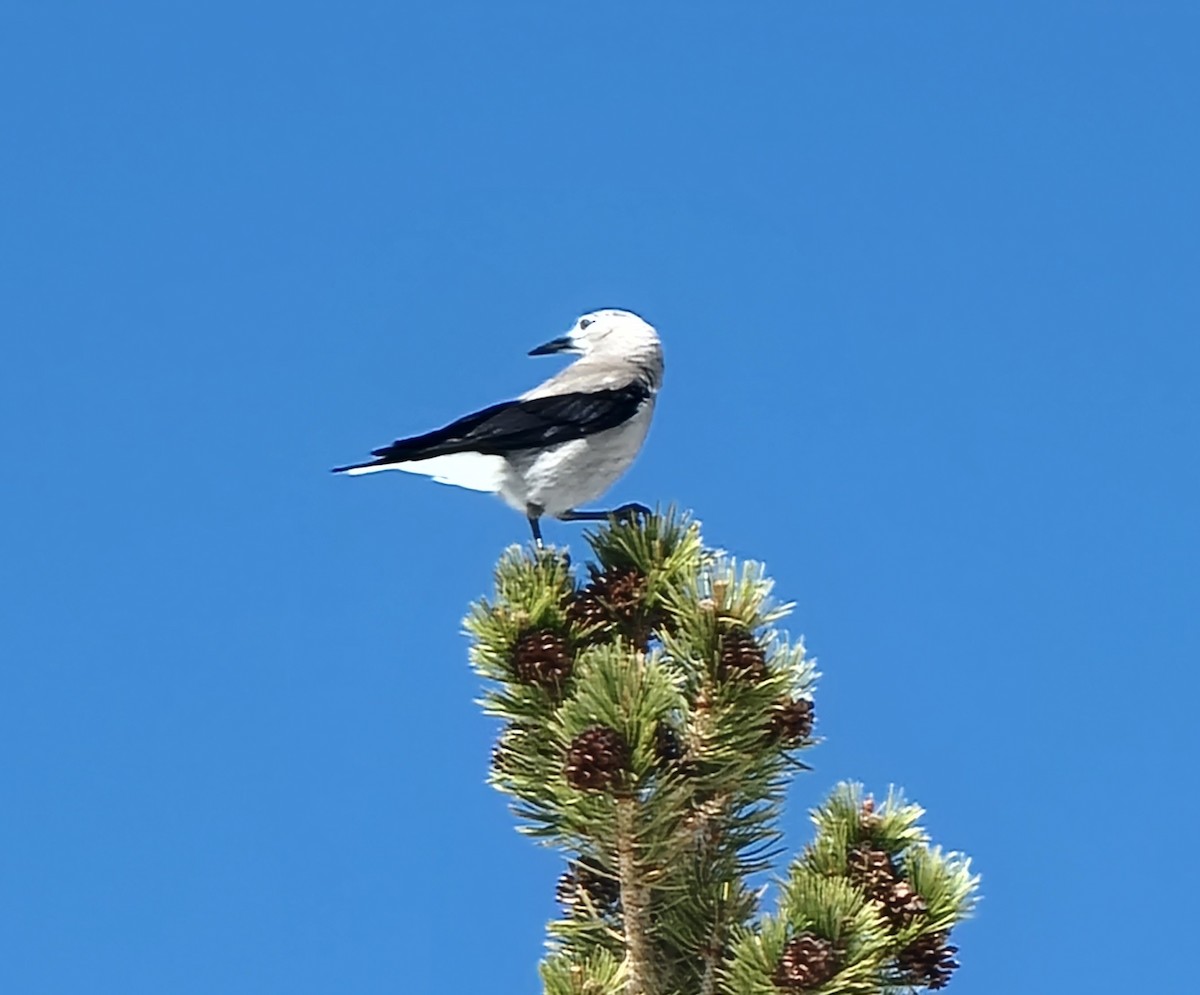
(512, 426)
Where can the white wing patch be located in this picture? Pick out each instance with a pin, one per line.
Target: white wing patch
(474, 471)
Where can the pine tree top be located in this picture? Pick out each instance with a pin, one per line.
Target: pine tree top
(653, 713)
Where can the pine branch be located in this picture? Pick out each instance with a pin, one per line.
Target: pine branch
(653, 716)
(635, 900)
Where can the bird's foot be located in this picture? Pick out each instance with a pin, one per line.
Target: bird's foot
(625, 513)
(630, 512)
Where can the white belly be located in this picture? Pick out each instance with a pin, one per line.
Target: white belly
(577, 472)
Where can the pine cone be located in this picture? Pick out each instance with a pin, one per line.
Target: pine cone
(597, 759)
(621, 591)
(586, 877)
(873, 871)
(543, 658)
(902, 904)
(742, 659)
(928, 961)
(807, 962)
(586, 611)
(791, 720)
(615, 597)
(667, 746)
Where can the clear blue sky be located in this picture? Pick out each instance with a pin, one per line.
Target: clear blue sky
(927, 278)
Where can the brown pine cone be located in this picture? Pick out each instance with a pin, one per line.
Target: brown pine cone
(928, 961)
(741, 659)
(597, 759)
(872, 870)
(791, 721)
(807, 961)
(902, 904)
(544, 659)
(615, 597)
(586, 877)
(585, 611)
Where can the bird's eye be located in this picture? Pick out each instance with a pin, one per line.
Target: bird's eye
(584, 322)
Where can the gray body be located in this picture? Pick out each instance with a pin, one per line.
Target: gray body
(559, 479)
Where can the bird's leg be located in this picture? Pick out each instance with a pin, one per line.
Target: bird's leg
(626, 511)
(534, 512)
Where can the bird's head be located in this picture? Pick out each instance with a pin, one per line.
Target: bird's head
(611, 332)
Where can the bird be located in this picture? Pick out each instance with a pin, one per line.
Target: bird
(561, 444)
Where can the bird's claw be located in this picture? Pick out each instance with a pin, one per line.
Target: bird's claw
(631, 512)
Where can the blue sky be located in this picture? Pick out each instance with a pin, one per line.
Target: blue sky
(926, 275)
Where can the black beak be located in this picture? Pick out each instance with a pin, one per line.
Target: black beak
(561, 344)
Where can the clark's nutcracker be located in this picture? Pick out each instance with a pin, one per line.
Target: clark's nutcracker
(559, 445)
